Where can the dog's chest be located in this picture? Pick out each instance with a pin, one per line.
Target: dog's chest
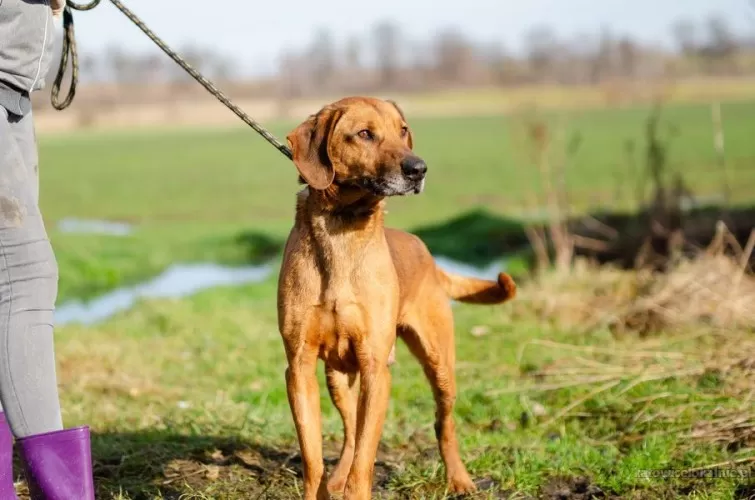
(348, 318)
(340, 312)
(343, 290)
(342, 322)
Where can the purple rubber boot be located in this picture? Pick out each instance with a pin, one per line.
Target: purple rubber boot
(58, 465)
(6, 461)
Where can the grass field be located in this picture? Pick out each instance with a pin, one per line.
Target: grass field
(191, 194)
(186, 397)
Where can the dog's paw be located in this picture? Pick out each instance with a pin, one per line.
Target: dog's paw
(508, 285)
(336, 485)
(461, 485)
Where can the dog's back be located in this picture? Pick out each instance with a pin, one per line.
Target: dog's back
(415, 265)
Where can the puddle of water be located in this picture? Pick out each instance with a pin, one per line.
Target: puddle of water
(489, 272)
(73, 225)
(177, 281)
(691, 202)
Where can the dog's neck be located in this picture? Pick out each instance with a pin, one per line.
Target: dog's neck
(343, 207)
(339, 220)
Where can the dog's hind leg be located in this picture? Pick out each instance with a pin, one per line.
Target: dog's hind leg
(344, 392)
(431, 341)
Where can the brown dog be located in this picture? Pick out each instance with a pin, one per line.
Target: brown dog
(348, 287)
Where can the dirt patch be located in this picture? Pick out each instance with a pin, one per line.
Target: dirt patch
(745, 492)
(11, 212)
(156, 465)
(572, 488)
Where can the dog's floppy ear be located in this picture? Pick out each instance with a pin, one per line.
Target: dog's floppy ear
(401, 112)
(309, 145)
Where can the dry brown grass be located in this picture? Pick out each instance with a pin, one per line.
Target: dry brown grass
(693, 323)
(124, 107)
(724, 359)
(714, 289)
(721, 359)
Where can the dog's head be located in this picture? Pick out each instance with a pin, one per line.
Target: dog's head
(358, 142)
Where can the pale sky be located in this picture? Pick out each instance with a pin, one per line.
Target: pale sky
(254, 33)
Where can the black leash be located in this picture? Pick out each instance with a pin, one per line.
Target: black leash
(69, 49)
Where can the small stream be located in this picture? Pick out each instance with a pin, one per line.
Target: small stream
(73, 225)
(489, 272)
(182, 280)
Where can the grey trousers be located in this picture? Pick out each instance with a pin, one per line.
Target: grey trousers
(28, 287)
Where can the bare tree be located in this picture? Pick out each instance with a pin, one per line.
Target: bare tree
(193, 55)
(223, 68)
(601, 65)
(291, 80)
(353, 54)
(628, 54)
(322, 59)
(721, 42)
(153, 68)
(453, 56)
(387, 42)
(542, 46)
(89, 67)
(118, 64)
(500, 63)
(686, 37)
(720, 46)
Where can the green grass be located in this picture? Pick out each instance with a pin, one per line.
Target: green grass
(182, 189)
(189, 396)
(235, 177)
(186, 397)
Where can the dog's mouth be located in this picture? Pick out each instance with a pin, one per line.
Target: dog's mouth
(393, 186)
(419, 186)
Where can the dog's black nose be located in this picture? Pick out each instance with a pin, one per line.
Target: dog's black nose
(414, 168)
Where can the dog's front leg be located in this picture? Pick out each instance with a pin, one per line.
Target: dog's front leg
(343, 390)
(304, 398)
(374, 392)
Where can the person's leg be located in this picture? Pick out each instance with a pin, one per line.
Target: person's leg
(28, 289)
(57, 462)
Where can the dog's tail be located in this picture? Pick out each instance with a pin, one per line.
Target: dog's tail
(477, 291)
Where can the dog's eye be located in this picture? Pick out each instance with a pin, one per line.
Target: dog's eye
(404, 131)
(365, 134)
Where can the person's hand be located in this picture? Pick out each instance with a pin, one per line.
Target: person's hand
(57, 7)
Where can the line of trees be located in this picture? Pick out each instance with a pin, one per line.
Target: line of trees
(387, 59)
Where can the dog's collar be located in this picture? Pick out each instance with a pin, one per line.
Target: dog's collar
(357, 183)
(357, 210)
(338, 183)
